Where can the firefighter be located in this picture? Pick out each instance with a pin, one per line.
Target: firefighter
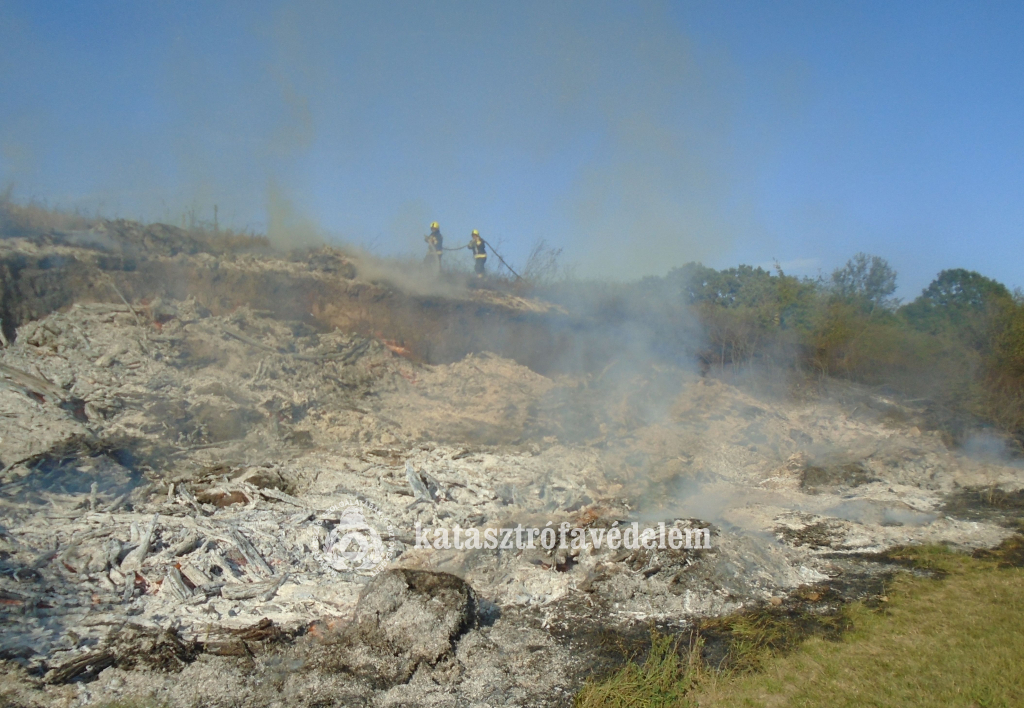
(479, 249)
(435, 246)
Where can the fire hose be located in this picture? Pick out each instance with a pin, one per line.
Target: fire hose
(494, 251)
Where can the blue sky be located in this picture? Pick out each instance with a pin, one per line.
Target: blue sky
(636, 137)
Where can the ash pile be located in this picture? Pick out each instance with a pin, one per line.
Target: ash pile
(178, 489)
(208, 509)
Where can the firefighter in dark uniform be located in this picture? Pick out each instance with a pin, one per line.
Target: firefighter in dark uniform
(479, 249)
(435, 246)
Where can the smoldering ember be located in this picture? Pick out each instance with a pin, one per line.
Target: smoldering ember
(215, 458)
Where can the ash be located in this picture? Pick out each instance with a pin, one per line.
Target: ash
(174, 467)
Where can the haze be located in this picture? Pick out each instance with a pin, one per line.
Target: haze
(635, 137)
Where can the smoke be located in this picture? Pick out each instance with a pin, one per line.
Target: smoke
(987, 446)
(606, 131)
(286, 228)
(603, 130)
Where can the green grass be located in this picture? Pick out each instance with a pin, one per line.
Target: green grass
(952, 640)
(665, 679)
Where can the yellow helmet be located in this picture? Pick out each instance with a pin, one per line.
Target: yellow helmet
(434, 225)
(475, 233)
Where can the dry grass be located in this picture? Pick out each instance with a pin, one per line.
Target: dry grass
(37, 217)
(223, 241)
(954, 641)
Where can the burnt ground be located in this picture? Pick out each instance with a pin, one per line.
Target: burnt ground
(185, 426)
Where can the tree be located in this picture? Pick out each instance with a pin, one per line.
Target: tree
(957, 292)
(747, 313)
(960, 302)
(868, 281)
(735, 287)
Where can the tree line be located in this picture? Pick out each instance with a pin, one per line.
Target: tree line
(957, 348)
(959, 344)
